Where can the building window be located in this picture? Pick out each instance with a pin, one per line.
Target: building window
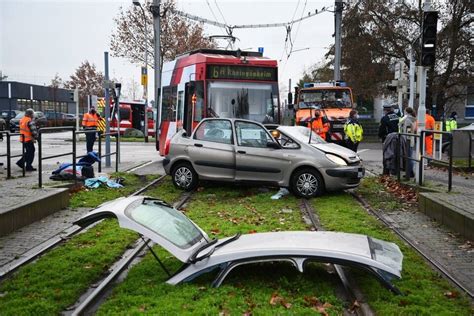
(469, 112)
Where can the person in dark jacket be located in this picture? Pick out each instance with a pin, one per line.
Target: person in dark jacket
(388, 123)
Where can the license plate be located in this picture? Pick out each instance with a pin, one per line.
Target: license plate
(360, 174)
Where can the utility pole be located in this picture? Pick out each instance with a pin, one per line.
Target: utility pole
(107, 110)
(155, 10)
(337, 46)
(144, 76)
(411, 77)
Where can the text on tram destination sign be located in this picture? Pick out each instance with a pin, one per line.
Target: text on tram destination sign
(241, 72)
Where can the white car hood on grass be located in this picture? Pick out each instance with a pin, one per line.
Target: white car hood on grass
(155, 220)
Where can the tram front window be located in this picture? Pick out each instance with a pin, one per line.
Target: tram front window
(252, 101)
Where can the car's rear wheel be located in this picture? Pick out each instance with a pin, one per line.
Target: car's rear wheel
(307, 183)
(184, 177)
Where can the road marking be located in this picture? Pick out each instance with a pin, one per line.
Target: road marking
(362, 150)
(140, 166)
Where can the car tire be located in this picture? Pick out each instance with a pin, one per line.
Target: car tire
(184, 177)
(307, 183)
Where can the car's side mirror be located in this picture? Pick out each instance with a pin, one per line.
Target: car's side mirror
(273, 145)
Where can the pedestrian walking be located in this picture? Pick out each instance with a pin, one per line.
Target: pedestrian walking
(353, 131)
(451, 123)
(90, 121)
(28, 136)
(388, 123)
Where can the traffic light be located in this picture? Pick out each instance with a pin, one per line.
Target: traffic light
(428, 38)
(71, 95)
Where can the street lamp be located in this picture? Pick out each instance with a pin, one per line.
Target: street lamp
(145, 83)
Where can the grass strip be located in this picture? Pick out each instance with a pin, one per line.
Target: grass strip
(94, 197)
(261, 289)
(424, 288)
(57, 279)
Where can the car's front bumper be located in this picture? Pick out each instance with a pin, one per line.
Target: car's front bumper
(344, 177)
(166, 165)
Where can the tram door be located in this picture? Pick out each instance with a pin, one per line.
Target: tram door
(189, 107)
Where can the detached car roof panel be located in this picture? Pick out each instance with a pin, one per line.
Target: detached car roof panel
(175, 232)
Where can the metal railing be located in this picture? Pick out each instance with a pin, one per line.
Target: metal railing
(408, 158)
(48, 130)
(100, 135)
(423, 156)
(10, 156)
(116, 152)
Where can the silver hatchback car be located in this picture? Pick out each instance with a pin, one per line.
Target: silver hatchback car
(237, 150)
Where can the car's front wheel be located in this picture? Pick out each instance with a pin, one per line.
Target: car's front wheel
(184, 177)
(307, 183)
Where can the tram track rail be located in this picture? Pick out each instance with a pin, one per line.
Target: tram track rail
(58, 239)
(412, 244)
(352, 292)
(91, 300)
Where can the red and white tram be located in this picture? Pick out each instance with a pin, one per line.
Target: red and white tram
(217, 83)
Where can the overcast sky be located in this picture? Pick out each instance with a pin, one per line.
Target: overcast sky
(39, 38)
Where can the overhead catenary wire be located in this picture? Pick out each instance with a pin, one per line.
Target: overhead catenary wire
(247, 26)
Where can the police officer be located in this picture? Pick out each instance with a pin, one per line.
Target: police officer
(353, 131)
(90, 121)
(451, 123)
(388, 123)
(28, 135)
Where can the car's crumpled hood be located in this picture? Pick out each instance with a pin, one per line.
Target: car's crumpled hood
(338, 150)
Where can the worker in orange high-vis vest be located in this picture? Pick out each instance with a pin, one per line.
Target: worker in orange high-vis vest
(90, 121)
(429, 125)
(28, 135)
(320, 125)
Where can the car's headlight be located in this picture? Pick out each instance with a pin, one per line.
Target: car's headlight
(336, 159)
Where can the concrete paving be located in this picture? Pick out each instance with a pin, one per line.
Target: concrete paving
(24, 190)
(454, 253)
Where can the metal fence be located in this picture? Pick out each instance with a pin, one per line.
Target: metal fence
(422, 157)
(48, 130)
(9, 155)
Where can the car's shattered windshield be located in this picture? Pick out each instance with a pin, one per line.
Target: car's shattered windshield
(165, 221)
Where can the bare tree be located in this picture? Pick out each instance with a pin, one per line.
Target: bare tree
(56, 82)
(87, 79)
(132, 90)
(376, 35)
(178, 35)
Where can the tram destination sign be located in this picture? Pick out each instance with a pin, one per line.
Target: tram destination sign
(241, 72)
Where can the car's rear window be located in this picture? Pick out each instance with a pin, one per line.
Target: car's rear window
(165, 221)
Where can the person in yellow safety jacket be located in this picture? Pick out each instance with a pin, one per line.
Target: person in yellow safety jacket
(28, 135)
(90, 121)
(353, 131)
(319, 125)
(451, 123)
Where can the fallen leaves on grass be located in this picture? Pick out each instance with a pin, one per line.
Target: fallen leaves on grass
(317, 305)
(401, 191)
(278, 300)
(215, 231)
(451, 294)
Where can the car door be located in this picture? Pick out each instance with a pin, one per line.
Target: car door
(254, 160)
(212, 151)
